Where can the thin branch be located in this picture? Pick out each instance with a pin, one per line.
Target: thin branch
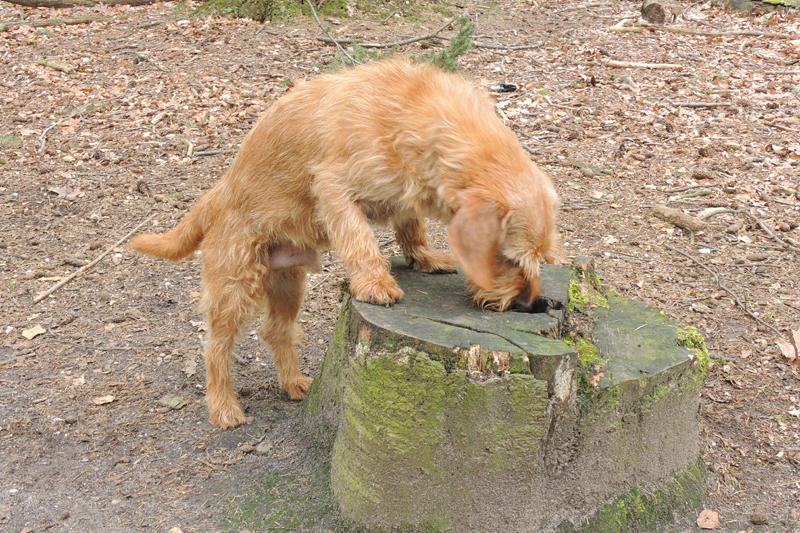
(510, 47)
(634, 64)
(84, 268)
(404, 42)
(689, 187)
(689, 31)
(142, 56)
(51, 22)
(338, 46)
(726, 289)
(770, 233)
(701, 104)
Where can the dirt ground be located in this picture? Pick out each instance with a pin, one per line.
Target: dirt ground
(151, 118)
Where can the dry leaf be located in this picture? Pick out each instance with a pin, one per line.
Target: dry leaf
(102, 400)
(60, 191)
(33, 332)
(708, 520)
(787, 349)
(190, 367)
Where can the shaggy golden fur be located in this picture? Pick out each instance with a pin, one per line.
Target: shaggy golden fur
(387, 142)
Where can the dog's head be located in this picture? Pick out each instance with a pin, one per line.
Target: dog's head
(499, 236)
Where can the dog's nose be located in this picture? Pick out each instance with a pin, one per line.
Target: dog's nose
(522, 306)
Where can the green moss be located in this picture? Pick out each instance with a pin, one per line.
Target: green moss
(648, 511)
(9, 140)
(689, 337)
(585, 293)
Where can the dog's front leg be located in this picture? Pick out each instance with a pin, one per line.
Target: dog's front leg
(412, 237)
(352, 237)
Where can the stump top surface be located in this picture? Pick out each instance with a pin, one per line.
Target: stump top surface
(634, 339)
(436, 309)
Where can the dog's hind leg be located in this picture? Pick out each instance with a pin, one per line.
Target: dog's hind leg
(232, 286)
(413, 240)
(280, 332)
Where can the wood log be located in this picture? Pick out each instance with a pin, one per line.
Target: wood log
(676, 218)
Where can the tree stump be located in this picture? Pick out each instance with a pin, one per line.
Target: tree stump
(442, 416)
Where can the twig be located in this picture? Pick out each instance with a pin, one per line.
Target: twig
(581, 7)
(689, 31)
(142, 56)
(726, 289)
(720, 211)
(320, 283)
(633, 64)
(84, 268)
(42, 137)
(51, 22)
(770, 233)
(695, 194)
(215, 152)
(404, 42)
(731, 33)
(701, 104)
(338, 46)
(689, 187)
(57, 65)
(76, 111)
(510, 47)
(18, 358)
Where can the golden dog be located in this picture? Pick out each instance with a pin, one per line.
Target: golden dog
(386, 142)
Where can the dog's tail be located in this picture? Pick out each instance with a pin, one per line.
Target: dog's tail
(179, 242)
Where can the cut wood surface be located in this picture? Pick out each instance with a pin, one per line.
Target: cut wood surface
(677, 218)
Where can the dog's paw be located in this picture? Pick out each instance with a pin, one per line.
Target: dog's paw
(297, 388)
(379, 292)
(433, 261)
(228, 417)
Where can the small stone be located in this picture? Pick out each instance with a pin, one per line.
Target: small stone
(708, 520)
(64, 515)
(264, 447)
(74, 261)
(247, 448)
(759, 256)
(587, 172)
(71, 418)
(759, 519)
(27, 530)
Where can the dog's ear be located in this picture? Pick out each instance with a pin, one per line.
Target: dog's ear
(475, 234)
(556, 255)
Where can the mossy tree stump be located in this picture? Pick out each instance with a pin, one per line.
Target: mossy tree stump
(445, 417)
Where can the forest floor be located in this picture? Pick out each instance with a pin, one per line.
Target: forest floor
(151, 116)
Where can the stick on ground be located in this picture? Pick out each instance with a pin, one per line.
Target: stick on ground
(84, 268)
(726, 289)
